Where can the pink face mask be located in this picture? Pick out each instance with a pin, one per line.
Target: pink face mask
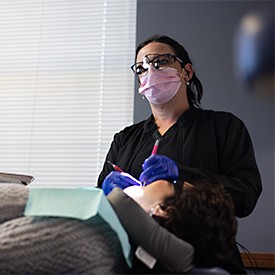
(159, 86)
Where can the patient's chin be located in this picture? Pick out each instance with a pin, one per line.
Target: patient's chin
(134, 191)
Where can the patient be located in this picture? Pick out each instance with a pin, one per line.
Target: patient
(200, 214)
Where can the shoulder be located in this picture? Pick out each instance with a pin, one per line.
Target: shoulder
(220, 118)
(133, 130)
(134, 127)
(226, 126)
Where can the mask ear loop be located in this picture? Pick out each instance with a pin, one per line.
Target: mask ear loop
(187, 81)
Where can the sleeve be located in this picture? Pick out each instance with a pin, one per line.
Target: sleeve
(144, 231)
(111, 156)
(237, 168)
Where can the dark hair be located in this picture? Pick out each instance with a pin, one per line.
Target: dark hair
(194, 89)
(203, 216)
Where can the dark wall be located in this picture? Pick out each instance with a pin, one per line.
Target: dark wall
(207, 30)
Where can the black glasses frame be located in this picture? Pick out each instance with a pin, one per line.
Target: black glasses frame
(151, 61)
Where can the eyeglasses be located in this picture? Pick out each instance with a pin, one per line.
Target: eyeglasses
(159, 61)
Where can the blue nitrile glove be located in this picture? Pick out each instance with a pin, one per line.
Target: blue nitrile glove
(118, 179)
(158, 167)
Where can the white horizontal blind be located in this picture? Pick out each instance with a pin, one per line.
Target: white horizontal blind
(65, 85)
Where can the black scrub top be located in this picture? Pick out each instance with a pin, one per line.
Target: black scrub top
(204, 144)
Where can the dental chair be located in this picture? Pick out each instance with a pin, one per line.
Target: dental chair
(40, 245)
(212, 270)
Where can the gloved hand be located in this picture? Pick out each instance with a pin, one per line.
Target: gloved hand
(158, 167)
(118, 179)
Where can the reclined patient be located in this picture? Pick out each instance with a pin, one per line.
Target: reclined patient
(180, 225)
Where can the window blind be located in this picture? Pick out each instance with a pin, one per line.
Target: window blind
(65, 85)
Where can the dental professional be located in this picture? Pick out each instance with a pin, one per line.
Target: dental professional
(193, 143)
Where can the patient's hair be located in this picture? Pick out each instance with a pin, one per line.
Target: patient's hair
(203, 216)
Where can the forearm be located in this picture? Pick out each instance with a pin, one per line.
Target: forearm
(112, 157)
(244, 187)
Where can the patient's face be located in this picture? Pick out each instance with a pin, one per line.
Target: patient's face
(151, 195)
(159, 186)
(134, 191)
